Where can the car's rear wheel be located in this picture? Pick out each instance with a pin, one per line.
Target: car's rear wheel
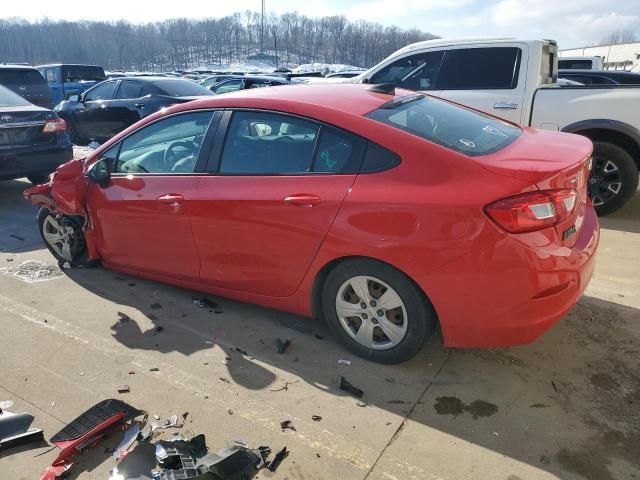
(613, 179)
(63, 237)
(376, 311)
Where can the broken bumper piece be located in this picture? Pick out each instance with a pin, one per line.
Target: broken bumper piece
(14, 430)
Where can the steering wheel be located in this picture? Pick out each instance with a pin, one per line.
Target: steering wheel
(168, 153)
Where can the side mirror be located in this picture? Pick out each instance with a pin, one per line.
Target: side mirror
(100, 172)
(74, 98)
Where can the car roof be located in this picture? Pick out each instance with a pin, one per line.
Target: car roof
(443, 42)
(68, 65)
(351, 98)
(8, 66)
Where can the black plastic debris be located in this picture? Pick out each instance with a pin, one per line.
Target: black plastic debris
(14, 430)
(316, 418)
(204, 302)
(287, 425)
(347, 387)
(282, 346)
(319, 337)
(277, 460)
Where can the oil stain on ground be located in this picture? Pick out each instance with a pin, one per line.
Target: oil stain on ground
(454, 406)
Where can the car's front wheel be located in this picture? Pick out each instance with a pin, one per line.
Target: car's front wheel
(63, 237)
(376, 311)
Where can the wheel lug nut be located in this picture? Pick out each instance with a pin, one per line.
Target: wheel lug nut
(373, 303)
(365, 316)
(363, 305)
(374, 321)
(380, 313)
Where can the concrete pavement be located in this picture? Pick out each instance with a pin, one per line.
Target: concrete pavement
(564, 407)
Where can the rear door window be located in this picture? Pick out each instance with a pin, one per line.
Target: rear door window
(460, 129)
(104, 91)
(24, 77)
(414, 72)
(129, 89)
(491, 68)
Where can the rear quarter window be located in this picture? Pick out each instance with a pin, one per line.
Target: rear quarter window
(460, 129)
(21, 77)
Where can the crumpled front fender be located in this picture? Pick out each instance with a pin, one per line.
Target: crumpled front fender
(66, 191)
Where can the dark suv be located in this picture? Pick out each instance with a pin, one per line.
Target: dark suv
(27, 82)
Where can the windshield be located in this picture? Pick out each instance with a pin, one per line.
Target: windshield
(78, 73)
(21, 77)
(181, 88)
(460, 129)
(10, 99)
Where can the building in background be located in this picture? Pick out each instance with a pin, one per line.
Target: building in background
(624, 56)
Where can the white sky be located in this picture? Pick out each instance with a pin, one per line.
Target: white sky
(571, 22)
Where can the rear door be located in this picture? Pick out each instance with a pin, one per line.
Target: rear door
(491, 78)
(129, 105)
(276, 186)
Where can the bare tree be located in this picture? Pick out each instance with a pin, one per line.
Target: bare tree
(620, 36)
(187, 43)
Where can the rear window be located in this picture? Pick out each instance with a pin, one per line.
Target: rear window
(10, 99)
(21, 77)
(181, 88)
(460, 129)
(78, 73)
(575, 64)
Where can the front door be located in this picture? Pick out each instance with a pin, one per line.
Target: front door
(93, 119)
(260, 221)
(143, 217)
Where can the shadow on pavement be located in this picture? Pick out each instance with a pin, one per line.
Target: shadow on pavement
(19, 232)
(625, 219)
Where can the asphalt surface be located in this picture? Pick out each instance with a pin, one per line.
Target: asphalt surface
(564, 407)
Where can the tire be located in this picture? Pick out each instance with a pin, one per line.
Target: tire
(75, 138)
(38, 179)
(49, 224)
(411, 321)
(614, 178)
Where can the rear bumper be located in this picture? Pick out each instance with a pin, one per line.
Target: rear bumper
(32, 162)
(512, 291)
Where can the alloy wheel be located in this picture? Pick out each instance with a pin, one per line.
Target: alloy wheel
(61, 238)
(371, 312)
(605, 181)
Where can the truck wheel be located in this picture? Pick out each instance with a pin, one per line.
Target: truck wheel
(376, 311)
(64, 238)
(613, 179)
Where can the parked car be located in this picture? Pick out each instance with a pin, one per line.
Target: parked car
(514, 79)
(217, 78)
(26, 82)
(384, 212)
(345, 74)
(33, 142)
(245, 82)
(110, 75)
(113, 105)
(601, 77)
(580, 63)
(68, 79)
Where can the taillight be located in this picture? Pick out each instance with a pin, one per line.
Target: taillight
(54, 125)
(532, 211)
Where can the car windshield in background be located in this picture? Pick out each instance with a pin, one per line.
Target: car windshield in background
(21, 77)
(181, 88)
(10, 99)
(78, 73)
(460, 129)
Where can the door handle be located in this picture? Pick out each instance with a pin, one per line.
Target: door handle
(172, 199)
(505, 106)
(303, 200)
(139, 105)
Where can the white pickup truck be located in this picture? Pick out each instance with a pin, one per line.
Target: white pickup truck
(515, 79)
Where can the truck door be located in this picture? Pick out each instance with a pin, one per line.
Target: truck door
(488, 78)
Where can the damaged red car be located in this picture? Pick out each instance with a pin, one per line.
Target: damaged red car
(382, 211)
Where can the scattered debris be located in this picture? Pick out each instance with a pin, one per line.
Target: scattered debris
(280, 456)
(495, 434)
(538, 405)
(229, 411)
(14, 428)
(319, 337)
(156, 417)
(287, 425)
(154, 369)
(282, 346)
(124, 447)
(82, 374)
(553, 384)
(86, 431)
(132, 372)
(184, 416)
(316, 418)
(285, 386)
(155, 306)
(123, 388)
(390, 380)
(344, 362)
(204, 302)
(347, 387)
(159, 328)
(362, 404)
(225, 380)
(243, 352)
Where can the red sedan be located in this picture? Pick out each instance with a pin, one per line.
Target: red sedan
(384, 212)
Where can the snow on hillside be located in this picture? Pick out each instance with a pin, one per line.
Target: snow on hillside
(324, 68)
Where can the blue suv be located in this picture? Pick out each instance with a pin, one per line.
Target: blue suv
(67, 79)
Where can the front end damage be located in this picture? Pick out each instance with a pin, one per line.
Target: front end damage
(65, 196)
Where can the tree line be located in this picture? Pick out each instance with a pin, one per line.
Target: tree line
(180, 43)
